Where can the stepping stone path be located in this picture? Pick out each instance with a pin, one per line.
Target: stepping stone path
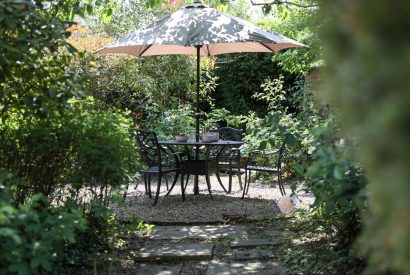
(160, 269)
(175, 252)
(199, 232)
(193, 246)
(219, 268)
(251, 243)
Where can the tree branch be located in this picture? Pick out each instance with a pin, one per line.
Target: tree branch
(278, 2)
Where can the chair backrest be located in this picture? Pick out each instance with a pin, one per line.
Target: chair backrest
(149, 148)
(228, 133)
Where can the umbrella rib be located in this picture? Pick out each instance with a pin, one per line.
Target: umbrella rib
(207, 48)
(266, 47)
(149, 46)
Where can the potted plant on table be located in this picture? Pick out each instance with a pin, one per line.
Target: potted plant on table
(183, 124)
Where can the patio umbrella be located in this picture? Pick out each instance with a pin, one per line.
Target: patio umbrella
(198, 29)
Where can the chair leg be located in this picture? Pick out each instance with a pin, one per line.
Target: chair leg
(145, 184)
(208, 183)
(173, 183)
(230, 178)
(166, 181)
(246, 182)
(187, 180)
(219, 180)
(239, 176)
(149, 186)
(136, 186)
(182, 186)
(249, 181)
(158, 189)
(282, 188)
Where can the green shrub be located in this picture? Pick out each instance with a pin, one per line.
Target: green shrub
(78, 159)
(174, 121)
(337, 183)
(79, 148)
(240, 76)
(292, 114)
(33, 236)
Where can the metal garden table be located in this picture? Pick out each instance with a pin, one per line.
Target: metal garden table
(196, 166)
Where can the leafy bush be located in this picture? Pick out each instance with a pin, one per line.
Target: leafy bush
(80, 148)
(33, 236)
(174, 121)
(337, 183)
(35, 56)
(78, 159)
(240, 76)
(291, 114)
(66, 158)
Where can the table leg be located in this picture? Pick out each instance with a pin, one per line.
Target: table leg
(196, 185)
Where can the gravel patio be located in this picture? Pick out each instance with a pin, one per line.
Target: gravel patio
(260, 203)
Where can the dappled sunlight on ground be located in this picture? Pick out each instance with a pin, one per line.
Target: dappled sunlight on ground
(260, 203)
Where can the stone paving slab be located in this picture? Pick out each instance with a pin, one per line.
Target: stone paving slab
(199, 232)
(159, 270)
(252, 243)
(175, 252)
(270, 268)
(247, 255)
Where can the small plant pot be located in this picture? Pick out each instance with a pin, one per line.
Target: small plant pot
(181, 138)
(207, 137)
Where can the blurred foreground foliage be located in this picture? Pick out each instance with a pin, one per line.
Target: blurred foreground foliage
(368, 58)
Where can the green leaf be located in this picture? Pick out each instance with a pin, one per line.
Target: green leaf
(89, 9)
(262, 145)
(272, 142)
(338, 172)
(10, 233)
(291, 140)
(299, 169)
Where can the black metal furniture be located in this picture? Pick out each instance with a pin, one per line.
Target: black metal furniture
(154, 157)
(251, 165)
(205, 164)
(230, 158)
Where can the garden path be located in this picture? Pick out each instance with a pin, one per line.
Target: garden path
(226, 235)
(207, 249)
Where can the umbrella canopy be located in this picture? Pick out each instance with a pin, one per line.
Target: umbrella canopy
(198, 29)
(198, 25)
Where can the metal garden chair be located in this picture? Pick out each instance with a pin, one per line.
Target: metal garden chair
(230, 159)
(252, 165)
(156, 161)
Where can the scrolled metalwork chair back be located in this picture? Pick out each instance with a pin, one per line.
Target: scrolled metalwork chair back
(149, 148)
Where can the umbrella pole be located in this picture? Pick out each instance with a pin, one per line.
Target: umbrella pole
(197, 112)
(197, 115)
